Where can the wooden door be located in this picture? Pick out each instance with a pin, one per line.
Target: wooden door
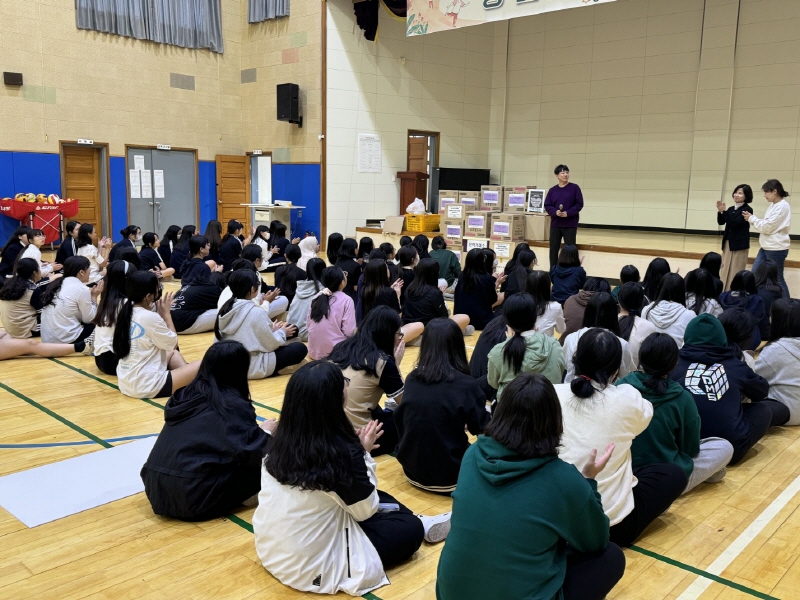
(418, 150)
(82, 181)
(233, 189)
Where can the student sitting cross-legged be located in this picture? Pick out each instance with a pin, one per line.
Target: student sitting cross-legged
(307, 290)
(525, 523)
(145, 342)
(68, 306)
(241, 320)
(673, 434)
(779, 360)
(332, 315)
(198, 265)
(207, 458)
(441, 400)
(105, 320)
(321, 524)
(150, 258)
(21, 300)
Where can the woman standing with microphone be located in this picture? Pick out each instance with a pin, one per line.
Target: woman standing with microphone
(774, 229)
(736, 238)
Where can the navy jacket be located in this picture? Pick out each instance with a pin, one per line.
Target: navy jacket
(737, 230)
(567, 281)
(177, 258)
(754, 304)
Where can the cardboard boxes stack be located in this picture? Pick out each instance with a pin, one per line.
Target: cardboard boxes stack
(453, 223)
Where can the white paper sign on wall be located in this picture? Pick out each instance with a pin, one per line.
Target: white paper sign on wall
(369, 153)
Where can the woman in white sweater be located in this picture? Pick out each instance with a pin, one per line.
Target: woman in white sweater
(596, 413)
(778, 360)
(773, 229)
(669, 313)
(632, 327)
(68, 306)
(550, 315)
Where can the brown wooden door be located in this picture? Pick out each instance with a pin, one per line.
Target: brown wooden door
(82, 181)
(233, 189)
(418, 153)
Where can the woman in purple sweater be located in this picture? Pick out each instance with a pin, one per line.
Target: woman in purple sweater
(331, 316)
(563, 203)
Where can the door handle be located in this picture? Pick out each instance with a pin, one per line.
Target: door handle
(150, 204)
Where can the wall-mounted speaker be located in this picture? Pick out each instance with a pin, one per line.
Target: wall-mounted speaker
(289, 103)
(12, 78)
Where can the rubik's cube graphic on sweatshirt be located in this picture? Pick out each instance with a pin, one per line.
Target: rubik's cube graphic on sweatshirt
(709, 381)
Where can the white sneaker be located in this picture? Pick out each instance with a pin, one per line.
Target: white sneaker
(89, 341)
(436, 527)
(718, 476)
(390, 404)
(469, 330)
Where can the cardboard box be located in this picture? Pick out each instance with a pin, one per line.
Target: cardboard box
(468, 244)
(394, 225)
(453, 233)
(472, 200)
(535, 201)
(447, 197)
(537, 228)
(477, 224)
(491, 197)
(508, 227)
(514, 198)
(504, 250)
(455, 212)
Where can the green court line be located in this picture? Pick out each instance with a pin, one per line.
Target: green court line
(240, 522)
(56, 416)
(701, 573)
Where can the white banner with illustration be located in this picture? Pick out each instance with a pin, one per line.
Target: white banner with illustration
(428, 16)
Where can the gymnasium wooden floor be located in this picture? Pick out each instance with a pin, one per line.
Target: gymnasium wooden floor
(736, 539)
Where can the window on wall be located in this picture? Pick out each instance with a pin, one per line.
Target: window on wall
(184, 23)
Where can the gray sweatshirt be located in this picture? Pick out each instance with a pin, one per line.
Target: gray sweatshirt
(778, 364)
(298, 309)
(249, 325)
(670, 318)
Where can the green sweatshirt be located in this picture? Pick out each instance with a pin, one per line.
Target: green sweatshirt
(449, 265)
(511, 519)
(543, 355)
(673, 435)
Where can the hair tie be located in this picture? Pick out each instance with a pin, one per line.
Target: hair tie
(585, 378)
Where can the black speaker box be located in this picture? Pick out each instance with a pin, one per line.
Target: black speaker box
(289, 103)
(12, 78)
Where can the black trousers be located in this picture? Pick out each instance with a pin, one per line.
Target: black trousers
(593, 576)
(556, 233)
(761, 416)
(288, 355)
(88, 329)
(107, 362)
(658, 487)
(388, 441)
(395, 535)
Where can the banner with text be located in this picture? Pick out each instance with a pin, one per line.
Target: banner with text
(429, 16)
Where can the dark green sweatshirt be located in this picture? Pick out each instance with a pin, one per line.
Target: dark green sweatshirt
(673, 435)
(511, 519)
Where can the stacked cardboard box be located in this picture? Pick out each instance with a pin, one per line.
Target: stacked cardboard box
(514, 198)
(453, 223)
(491, 197)
(537, 227)
(504, 250)
(508, 227)
(470, 199)
(477, 224)
(447, 197)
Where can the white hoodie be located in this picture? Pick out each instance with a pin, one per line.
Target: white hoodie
(774, 227)
(670, 318)
(778, 363)
(250, 326)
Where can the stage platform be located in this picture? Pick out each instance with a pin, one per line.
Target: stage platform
(606, 251)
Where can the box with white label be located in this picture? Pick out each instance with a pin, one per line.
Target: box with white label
(504, 250)
(453, 231)
(508, 227)
(491, 197)
(514, 198)
(477, 224)
(447, 197)
(472, 200)
(455, 212)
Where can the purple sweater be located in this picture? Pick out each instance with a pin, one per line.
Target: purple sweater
(340, 325)
(571, 198)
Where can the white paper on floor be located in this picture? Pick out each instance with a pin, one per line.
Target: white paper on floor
(71, 486)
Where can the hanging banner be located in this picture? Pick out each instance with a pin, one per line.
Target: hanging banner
(428, 16)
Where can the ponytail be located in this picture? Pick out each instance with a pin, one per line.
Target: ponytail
(332, 278)
(658, 356)
(241, 283)
(15, 288)
(137, 286)
(514, 352)
(72, 266)
(597, 358)
(582, 387)
(519, 312)
(631, 298)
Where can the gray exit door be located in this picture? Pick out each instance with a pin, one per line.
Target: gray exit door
(167, 188)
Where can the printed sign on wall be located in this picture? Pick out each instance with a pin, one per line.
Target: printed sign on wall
(428, 16)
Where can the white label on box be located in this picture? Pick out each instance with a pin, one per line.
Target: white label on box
(502, 250)
(455, 212)
(501, 228)
(453, 231)
(476, 222)
(490, 197)
(443, 201)
(516, 199)
(469, 201)
(480, 244)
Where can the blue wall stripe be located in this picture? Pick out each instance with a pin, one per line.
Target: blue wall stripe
(299, 183)
(207, 184)
(119, 196)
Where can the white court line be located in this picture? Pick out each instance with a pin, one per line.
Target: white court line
(738, 545)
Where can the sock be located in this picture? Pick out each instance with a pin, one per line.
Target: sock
(80, 346)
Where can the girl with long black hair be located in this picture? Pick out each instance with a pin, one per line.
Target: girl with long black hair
(307, 290)
(145, 342)
(68, 306)
(769, 289)
(331, 316)
(526, 350)
(476, 291)
(16, 243)
(168, 243)
(777, 362)
(232, 244)
(21, 300)
(241, 320)
(150, 258)
(673, 435)
(596, 413)
(318, 526)
(348, 262)
(744, 294)
(424, 300)
(289, 275)
(332, 249)
(87, 237)
(517, 276)
(701, 293)
(440, 402)
(261, 239)
(207, 458)
(33, 250)
(130, 235)
(111, 301)
(376, 291)
(421, 243)
(668, 310)
(181, 252)
(657, 268)
(365, 246)
(632, 327)
(549, 313)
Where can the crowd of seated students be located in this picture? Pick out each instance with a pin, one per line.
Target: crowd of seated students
(594, 408)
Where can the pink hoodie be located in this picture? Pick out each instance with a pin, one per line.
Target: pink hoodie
(340, 325)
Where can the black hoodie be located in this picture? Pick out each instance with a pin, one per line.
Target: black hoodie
(204, 464)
